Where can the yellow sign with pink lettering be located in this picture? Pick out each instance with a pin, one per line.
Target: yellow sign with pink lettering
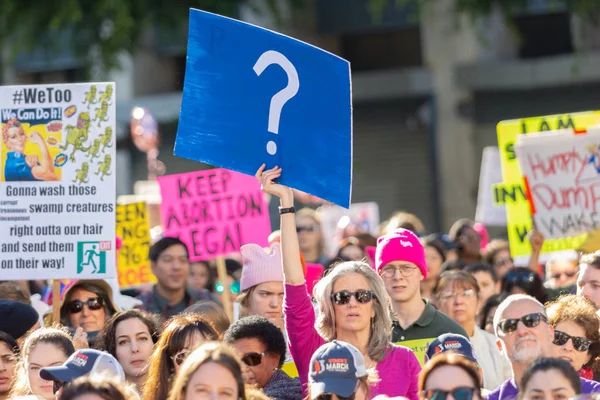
(512, 191)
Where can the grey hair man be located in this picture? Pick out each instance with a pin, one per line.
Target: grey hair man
(521, 325)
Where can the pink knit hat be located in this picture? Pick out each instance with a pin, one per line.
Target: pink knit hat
(260, 266)
(400, 245)
(483, 233)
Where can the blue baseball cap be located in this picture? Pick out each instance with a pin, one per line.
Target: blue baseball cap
(84, 362)
(335, 368)
(451, 342)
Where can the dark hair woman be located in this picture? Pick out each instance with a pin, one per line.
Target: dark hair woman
(549, 378)
(183, 334)
(521, 280)
(9, 354)
(130, 337)
(449, 373)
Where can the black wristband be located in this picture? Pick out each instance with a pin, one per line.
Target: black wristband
(289, 210)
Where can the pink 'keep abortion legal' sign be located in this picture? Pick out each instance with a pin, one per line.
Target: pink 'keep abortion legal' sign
(214, 212)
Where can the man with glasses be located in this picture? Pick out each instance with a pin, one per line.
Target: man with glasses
(170, 263)
(262, 348)
(521, 325)
(400, 261)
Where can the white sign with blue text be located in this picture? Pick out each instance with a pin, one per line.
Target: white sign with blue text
(253, 96)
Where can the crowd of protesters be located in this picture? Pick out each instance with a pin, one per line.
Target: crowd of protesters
(401, 314)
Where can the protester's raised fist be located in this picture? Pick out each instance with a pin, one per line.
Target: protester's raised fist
(536, 239)
(266, 179)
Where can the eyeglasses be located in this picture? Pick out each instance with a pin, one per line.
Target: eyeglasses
(454, 294)
(180, 357)
(569, 274)
(579, 343)
(329, 396)
(459, 393)
(234, 287)
(76, 306)
(529, 320)
(253, 359)
(343, 297)
(57, 385)
(405, 271)
(503, 262)
(309, 228)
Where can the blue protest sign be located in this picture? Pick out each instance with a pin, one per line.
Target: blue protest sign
(253, 96)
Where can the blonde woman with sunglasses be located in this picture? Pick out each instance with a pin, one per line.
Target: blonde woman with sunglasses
(353, 307)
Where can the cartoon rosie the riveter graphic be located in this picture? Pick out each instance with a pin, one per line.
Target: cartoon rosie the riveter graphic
(22, 167)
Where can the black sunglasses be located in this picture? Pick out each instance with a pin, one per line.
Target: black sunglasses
(522, 277)
(529, 320)
(459, 393)
(329, 396)
(579, 343)
(76, 306)
(57, 385)
(343, 297)
(253, 359)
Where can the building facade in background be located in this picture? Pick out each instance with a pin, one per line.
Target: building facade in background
(427, 92)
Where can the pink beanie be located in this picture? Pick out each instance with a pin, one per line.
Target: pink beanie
(483, 233)
(260, 266)
(400, 245)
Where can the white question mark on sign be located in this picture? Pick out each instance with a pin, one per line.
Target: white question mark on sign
(268, 58)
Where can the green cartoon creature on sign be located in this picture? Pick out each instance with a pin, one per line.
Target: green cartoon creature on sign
(82, 174)
(104, 167)
(94, 150)
(106, 138)
(77, 135)
(102, 113)
(107, 94)
(90, 97)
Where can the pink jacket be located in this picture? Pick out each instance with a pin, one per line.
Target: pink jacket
(398, 371)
